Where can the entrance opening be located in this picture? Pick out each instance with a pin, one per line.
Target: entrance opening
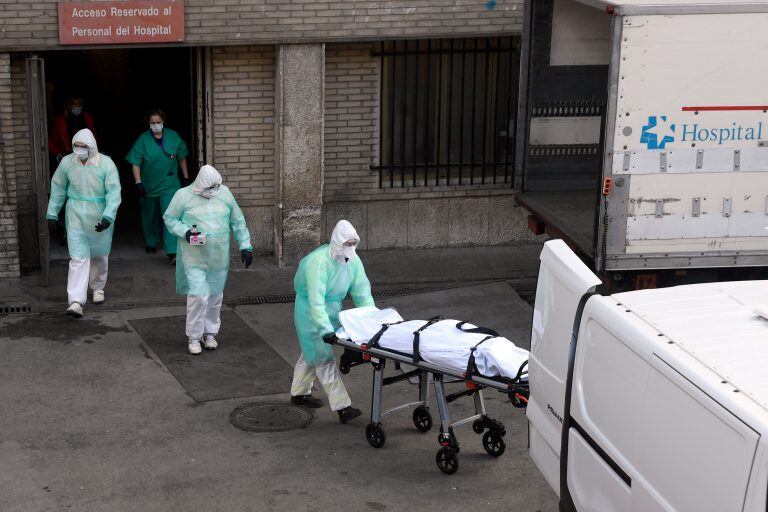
(117, 88)
(567, 93)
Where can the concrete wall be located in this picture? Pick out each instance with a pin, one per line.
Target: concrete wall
(427, 223)
(9, 241)
(243, 127)
(230, 22)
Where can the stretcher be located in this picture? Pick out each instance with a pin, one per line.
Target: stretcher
(433, 375)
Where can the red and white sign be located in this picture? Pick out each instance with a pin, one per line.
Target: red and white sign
(121, 21)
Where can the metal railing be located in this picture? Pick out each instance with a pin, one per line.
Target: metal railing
(447, 111)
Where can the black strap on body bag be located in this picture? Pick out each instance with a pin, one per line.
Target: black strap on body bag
(471, 365)
(417, 335)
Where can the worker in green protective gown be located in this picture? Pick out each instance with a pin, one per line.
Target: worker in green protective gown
(323, 279)
(89, 183)
(205, 209)
(156, 157)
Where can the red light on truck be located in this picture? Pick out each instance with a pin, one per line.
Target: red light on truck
(607, 184)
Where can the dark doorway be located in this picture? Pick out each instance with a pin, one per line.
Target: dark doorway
(118, 87)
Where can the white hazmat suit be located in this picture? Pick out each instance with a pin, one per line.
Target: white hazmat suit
(201, 270)
(91, 189)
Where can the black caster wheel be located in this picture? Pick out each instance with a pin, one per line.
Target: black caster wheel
(375, 435)
(478, 427)
(494, 444)
(447, 460)
(422, 419)
(344, 369)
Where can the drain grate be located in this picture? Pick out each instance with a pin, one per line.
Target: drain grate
(270, 417)
(15, 308)
(283, 299)
(385, 294)
(267, 299)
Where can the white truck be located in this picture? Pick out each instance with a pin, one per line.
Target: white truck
(649, 400)
(642, 134)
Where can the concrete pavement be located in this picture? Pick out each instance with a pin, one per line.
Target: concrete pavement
(92, 421)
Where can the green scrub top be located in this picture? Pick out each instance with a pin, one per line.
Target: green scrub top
(159, 165)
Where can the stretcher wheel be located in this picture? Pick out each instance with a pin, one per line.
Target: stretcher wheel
(447, 460)
(422, 419)
(375, 435)
(494, 444)
(478, 427)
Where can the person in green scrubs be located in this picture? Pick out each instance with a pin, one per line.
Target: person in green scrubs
(156, 157)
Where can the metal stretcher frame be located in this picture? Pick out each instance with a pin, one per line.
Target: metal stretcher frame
(447, 455)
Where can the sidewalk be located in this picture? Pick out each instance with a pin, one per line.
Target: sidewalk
(151, 281)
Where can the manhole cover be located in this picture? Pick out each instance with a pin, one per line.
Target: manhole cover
(269, 417)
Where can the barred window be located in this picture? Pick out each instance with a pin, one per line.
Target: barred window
(448, 111)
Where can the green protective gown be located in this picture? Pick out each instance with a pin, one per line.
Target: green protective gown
(160, 176)
(202, 270)
(321, 283)
(92, 192)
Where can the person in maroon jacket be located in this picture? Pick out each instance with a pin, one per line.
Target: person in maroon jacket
(60, 134)
(65, 126)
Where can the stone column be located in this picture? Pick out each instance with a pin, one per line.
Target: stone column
(299, 99)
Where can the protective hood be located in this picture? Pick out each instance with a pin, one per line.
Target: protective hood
(341, 233)
(85, 136)
(207, 177)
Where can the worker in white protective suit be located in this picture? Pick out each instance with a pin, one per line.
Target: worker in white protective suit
(202, 216)
(323, 279)
(89, 183)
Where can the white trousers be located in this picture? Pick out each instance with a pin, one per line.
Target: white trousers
(203, 315)
(83, 273)
(329, 377)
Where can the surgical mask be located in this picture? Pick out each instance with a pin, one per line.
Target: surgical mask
(348, 252)
(210, 192)
(76, 111)
(156, 127)
(81, 153)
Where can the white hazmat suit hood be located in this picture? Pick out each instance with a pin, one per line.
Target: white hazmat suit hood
(343, 232)
(85, 136)
(208, 182)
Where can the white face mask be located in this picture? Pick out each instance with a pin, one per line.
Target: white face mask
(156, 127)
(82, 153)
(348, 252)
(210, 192)
(76, 111)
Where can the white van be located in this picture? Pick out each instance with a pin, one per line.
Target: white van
(649, 400)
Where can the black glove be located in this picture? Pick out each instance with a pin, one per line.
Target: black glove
(101, 226)
(140, 190)
(329, 338)
(53, 227)
(188, 234)
(246, 257)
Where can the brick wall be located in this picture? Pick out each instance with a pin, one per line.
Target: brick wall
(408, 217)
(22, 164)
(243, 128)
(351, 121)
(225, 22)
(9, 242)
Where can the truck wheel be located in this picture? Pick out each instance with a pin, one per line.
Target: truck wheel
(447, 460)
(494, 444)
(375, 435)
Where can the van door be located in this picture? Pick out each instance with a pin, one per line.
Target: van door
(38, 140)
(695, 454)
